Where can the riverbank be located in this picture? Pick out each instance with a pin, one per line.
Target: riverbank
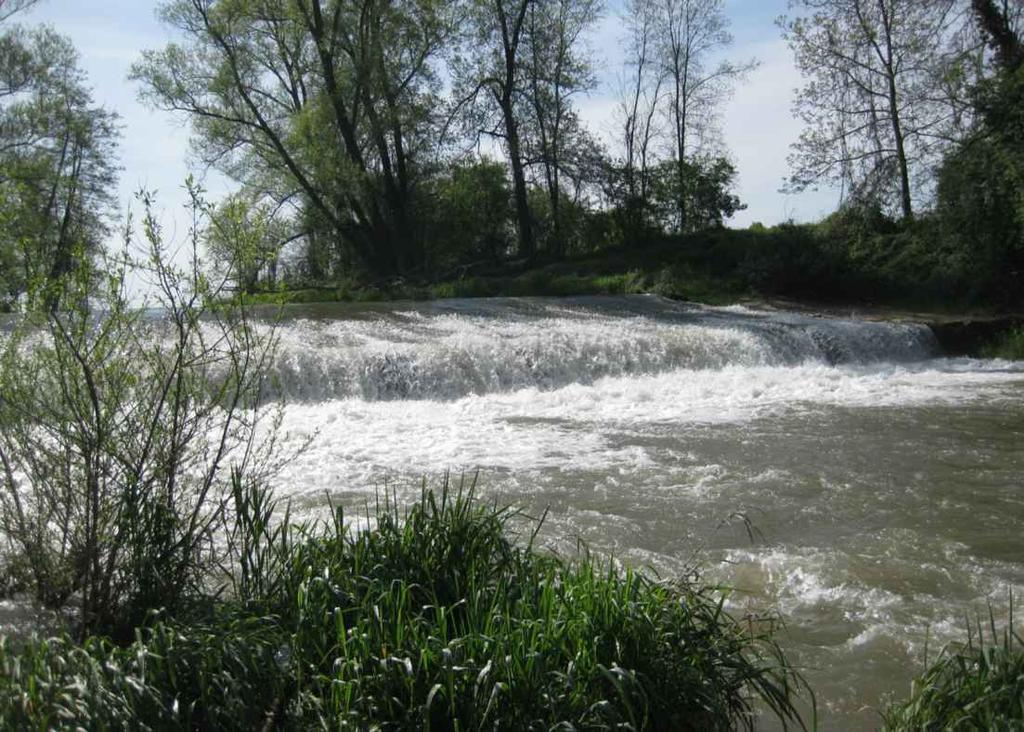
(437, 618)
(784, 268)
(444, 616)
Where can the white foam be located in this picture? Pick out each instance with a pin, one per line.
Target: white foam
(498, 346)
(578, 427)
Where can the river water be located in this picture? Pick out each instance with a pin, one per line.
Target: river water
(882, 480)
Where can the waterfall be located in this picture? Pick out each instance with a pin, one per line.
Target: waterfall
(449, 350)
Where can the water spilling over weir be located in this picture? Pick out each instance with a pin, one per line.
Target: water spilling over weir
(884, 479)
(462, 348)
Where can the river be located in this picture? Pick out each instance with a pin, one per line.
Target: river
(882, 480)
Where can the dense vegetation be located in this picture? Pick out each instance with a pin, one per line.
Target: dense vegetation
(852, 257)
(436, 619)
(976, 686)
(911, 109)
(1010, 346)
(387, 145)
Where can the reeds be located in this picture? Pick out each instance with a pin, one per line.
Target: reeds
(977, 686)
(435, 619)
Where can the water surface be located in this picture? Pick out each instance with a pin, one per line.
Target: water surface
(883, 480)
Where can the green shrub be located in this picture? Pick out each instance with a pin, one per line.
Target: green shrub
(118, 432)
(979, 687)
(435, 619)
(1009, 346)
(439, 619)
(220, 674)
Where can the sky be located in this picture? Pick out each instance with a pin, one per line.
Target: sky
(757, 124)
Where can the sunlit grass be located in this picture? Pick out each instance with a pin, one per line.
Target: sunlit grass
(978, 686)
(435, 619)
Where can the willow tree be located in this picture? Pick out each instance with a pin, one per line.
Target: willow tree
(884, 97)
(321, 105)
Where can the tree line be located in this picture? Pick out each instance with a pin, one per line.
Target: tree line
(362, 124)
(914, 109)
(58, 164)
(377, 139)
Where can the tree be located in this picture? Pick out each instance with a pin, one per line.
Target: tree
(557, 71)
(10, 7)
(706, 193)
(690, 32)
(469, 215)
(997, 25)
(120, 434)
(490, 91)
(885, 95)
(981, 182)
(58, 164)
(642, 95)
(322, 105)
(244, 240)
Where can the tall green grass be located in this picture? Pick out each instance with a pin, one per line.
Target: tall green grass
(435, 619)
(210, 674)
(979, 686)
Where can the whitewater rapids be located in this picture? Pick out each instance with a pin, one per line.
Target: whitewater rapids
(883, 479)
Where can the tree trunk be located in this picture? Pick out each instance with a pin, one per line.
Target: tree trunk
(510, 38)
(682, 73)
(556, 206)
(681, 165)
(527, 245)
(901, 154)
(894, 115)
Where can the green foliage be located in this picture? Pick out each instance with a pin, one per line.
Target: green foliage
(1009, 346)
(435, 619)
(116, 432)
(326, 109)
(244, 240)
(703, 188)
(206, 675)
(58, 163)
(981, 195)
(468, 215)
(883, 98)
(981, 229)
(977, 687)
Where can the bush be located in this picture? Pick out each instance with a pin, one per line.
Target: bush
(1009, 345)
(980, 687)
(467, 216)
(116, 434)
(200, 676)
(435, 619)
(981, 221)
